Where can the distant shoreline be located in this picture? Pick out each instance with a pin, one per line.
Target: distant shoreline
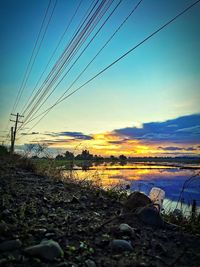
(144, 165)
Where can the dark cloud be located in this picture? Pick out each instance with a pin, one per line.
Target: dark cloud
(73, 135)
(182, 154)
(170, 148)
(118, 142)
(184, 129)
(51, 141)
(33, 133)
(176, 148)
(190, 148)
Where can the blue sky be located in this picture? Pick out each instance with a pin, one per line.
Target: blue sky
(157, 82)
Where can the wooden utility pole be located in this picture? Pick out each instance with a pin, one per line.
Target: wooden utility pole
(12, 144)
(14, 131)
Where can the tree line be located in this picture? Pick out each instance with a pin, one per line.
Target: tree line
(85, 155)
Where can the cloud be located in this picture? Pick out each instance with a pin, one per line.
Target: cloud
(120, 142)
(182, 154)
(170, 148)
(52, 141)
(176, 148)
(73, 135)
(33, 133)
(185, 129)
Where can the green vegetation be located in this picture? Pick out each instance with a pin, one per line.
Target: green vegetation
(190, 223)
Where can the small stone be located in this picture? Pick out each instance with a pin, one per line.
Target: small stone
(90, 263)
(83, 198)
(150, 216)
(6, 212)
(41, 231)
(160, 248)
(3, 228)
(47, 249)
(96, 214)
(10, 245)
(74, 200)
(43, 219)
(121, 245)
(49, 235)
(125, 228)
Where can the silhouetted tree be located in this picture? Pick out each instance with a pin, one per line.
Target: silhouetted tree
(85, 155)
(112, 158)
(59, 157)
(69, 155)
(122, 158)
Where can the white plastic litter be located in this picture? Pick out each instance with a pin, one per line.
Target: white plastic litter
(157, 196)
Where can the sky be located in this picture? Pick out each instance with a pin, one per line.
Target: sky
(145, 105)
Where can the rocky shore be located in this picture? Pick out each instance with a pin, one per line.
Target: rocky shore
(47, 222)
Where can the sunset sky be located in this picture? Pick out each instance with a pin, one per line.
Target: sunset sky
(145, 105)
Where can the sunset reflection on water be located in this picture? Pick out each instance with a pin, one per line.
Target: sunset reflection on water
(144, 177)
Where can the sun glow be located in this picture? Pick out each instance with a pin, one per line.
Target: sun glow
(114, 143)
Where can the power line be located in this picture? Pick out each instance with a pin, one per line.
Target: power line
(53, 54)
(37, 39)
(26, 71)
(117, 60)
(56, 66)
(33, 57)
(104, 23)
(94, 20)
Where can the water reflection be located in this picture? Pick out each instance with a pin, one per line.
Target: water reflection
(144, 177)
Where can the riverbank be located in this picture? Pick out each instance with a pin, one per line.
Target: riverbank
(38, 207)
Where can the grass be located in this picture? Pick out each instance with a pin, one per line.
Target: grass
(57, 163)
(189, 224)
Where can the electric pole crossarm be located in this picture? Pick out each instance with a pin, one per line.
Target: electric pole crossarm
(16, 115)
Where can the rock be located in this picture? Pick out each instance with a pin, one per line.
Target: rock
(47, 249)
(83, 198)
(160, 248)
(10, 245)
(121, 245)
(150, 216)
(125, 228)
(4, 228)
(40, 231)
(74, 200)
(90, 263)
(6, 212)
(136, 200)
(49, 235)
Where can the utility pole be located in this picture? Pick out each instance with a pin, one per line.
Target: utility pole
(12, 144)
(14, 131)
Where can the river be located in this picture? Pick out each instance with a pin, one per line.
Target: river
(143, 177)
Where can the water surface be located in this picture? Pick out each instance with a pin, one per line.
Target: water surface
(143, 177)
